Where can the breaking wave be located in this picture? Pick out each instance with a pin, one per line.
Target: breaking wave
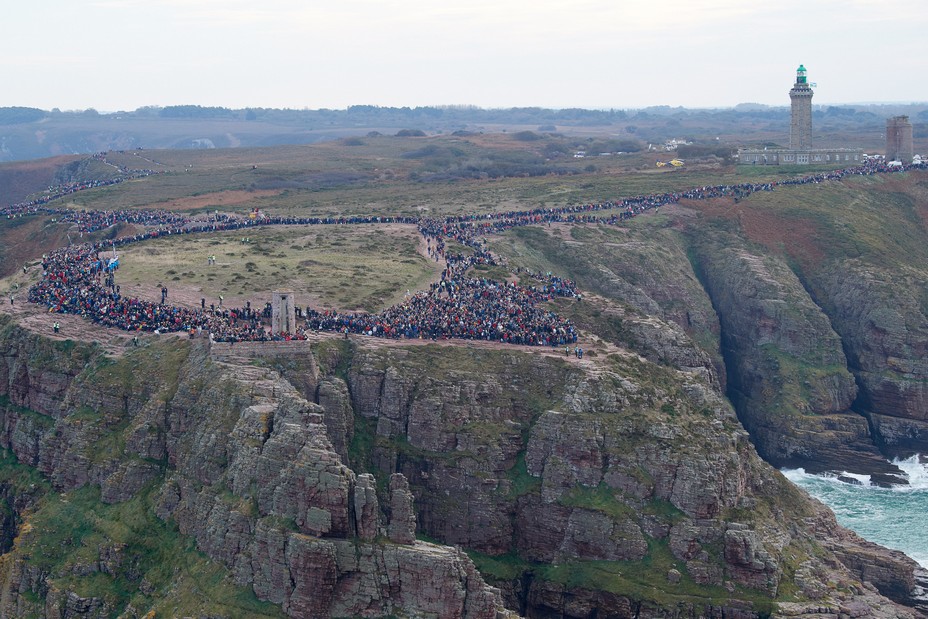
(892, 517)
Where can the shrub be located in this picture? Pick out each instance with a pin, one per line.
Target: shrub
(526, 136)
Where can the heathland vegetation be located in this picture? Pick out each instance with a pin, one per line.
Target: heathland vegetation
(31, 133)
(624, 480)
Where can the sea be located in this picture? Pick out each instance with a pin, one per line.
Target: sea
(892, 517)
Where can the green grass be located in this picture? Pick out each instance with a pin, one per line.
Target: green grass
(802, 380)
(344, 267)
(523, 483)
(505, 567)
(42, 421)
(23, 478)
(860, 218)
(663, 509)
(61, 356)
(361, 447)
(600, 499)
(379, 174)
(65, 534)
(334, 357)
(643, 580)
(145, 373)
(646, 580)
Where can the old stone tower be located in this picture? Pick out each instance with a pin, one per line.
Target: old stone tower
(899, 139)
(800, 126)
(283, 312)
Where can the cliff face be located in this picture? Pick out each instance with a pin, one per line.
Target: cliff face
(629, 476)
(814, 285)
(882, 315)
(640, 278)
(625, 484)
(788, 375)
(232, 456)
(621, 485)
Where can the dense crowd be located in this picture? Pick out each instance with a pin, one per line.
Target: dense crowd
(79, 279)
(460, 307)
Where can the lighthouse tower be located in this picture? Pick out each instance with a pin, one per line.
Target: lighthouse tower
(800, 126)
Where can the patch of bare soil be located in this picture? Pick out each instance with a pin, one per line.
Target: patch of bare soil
(39, 320)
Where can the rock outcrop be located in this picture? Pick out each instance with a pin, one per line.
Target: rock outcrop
(883, 321)
(618, 485)
(402, 527)
(619, 467)
(788, 375)
(246, 469)
(858, 249)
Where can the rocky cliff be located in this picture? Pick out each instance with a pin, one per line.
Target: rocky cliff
(231, 456)
(619, 485)
(576, 484)
(788, 374)
(820, 292)
(361, 478)
(614, 486)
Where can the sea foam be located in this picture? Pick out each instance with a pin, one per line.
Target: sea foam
(892, 517)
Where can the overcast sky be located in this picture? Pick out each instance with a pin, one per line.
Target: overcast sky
(123, 54)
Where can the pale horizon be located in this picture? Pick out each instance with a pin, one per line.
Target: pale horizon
(121, 55)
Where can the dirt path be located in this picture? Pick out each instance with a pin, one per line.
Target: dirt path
(39, 320)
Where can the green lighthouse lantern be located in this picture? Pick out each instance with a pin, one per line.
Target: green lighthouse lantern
(801, 75)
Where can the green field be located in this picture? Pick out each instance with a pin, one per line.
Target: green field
(366, 267)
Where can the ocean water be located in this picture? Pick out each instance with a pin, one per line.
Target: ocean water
(892, 517)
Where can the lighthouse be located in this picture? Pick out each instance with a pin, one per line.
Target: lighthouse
(800, 151)
(800, 126)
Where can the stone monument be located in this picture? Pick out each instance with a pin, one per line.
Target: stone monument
(899, 139)
(283, 312)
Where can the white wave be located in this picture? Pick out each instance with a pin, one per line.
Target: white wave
(799, 475)
(891, 516)
(914, 468)
(920, 558)
(915, 471)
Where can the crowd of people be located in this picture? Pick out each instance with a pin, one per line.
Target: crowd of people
(460, 307)
(55, 192)
(78, 279)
